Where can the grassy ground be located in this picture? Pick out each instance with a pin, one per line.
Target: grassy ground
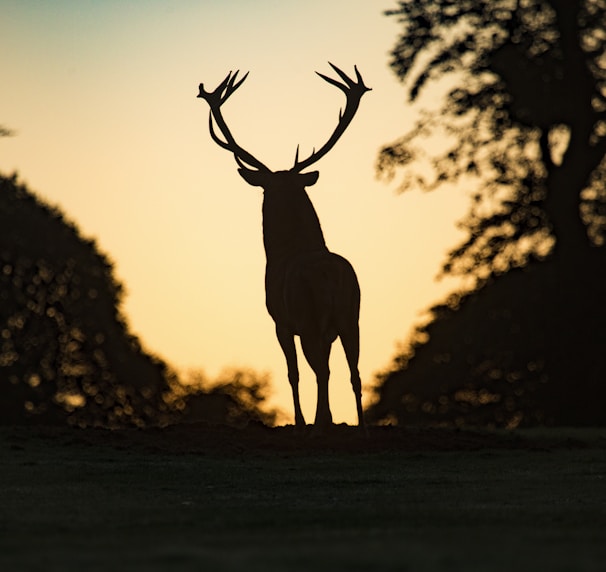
(120, 502)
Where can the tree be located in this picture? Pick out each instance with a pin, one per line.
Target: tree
(525, 121)
(237, 397)
(66, 354)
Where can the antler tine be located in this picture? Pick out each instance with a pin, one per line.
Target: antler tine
(341, 73)
(232, 85)
(215, 100)
(353, 90)
(359, 78)
(334, 82)
(224, 85)
(349, 83)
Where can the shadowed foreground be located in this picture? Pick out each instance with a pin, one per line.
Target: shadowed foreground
(199, 497)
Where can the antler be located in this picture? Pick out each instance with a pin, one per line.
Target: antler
(215, 100)
(353, 92)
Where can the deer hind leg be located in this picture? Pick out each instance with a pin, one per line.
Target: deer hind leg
(287, 343)
(350, 338)
(317, 353)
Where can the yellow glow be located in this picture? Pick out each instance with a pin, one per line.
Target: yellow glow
(102, 96)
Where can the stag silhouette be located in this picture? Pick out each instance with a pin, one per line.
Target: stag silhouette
(310, 292)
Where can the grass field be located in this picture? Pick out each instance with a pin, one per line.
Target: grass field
(195, 499)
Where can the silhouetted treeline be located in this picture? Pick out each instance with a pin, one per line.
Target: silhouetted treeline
(66, 353)
(237, 397)
(525, 125)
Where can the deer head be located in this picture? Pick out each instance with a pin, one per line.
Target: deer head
(254, 171)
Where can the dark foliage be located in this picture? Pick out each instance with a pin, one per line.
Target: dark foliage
(66, 353)
(65, 350)
(526, 124)
(483, 360)
(237, 398)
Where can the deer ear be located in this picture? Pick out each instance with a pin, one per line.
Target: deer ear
(254, 178)
(310, 179)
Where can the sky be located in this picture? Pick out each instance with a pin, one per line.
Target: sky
(101, 95)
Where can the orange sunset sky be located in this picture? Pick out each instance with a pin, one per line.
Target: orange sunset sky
(102, 97)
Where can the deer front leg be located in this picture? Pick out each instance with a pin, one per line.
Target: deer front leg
(317, 352)
(287, 343)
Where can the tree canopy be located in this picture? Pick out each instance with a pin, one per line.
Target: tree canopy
(523, 124)
(66, 352)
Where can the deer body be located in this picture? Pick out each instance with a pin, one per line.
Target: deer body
(310, 292)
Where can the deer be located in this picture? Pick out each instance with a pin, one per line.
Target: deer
(310, 292)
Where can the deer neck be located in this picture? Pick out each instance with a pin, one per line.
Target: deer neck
(290, 227)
